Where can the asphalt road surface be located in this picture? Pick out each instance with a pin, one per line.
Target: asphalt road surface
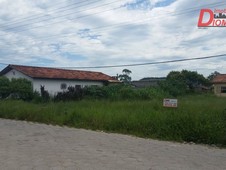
(26, 145)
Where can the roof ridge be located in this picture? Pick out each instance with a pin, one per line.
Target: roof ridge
(59, 73)
(15, 65)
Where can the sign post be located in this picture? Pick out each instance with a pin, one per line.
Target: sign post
(170, 103)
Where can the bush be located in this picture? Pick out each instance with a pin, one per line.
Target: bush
(21, 88)
(125, 92)
(72, 93)
(4, 87)
(183, 82)
(151, 93)
(95, 92)
(16, 88)
(37, 97)
(44, 94)
(173, 87)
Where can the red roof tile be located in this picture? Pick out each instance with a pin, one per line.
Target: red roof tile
(53, 73)
(220, 78)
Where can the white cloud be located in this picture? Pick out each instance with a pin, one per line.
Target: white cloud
(114, 36)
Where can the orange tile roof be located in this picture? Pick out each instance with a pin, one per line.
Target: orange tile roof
(54, 73)
(220, 78)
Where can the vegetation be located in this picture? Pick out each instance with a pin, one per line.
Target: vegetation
(125, 76)
(199, 118)
(16, 88)
(4, 87)
(122, 92)
(183, 82)
(21, 89)
(72, 93)
(212, 75)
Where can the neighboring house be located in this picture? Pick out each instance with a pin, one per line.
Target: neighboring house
(147, 82)
(56, 80)
(219, 85)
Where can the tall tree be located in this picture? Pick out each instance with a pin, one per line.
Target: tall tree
(181, 82)
(125, 76)
(212, 75)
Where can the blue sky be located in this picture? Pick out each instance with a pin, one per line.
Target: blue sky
(75, 33)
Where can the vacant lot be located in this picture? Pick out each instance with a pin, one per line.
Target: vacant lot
(199, 118)
(26, 145)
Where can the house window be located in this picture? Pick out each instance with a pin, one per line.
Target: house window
(77, 87)
(223, 89)
(63, 86)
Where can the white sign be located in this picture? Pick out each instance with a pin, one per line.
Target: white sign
(170, 102)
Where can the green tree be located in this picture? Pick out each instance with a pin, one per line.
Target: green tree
(193, 79)
(4, 87)
(175, 84)
(182, 82)
(212, 75)
(21, 88)
(125, 76)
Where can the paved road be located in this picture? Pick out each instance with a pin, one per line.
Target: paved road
(25, 145)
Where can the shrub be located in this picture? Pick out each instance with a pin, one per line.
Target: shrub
(183, 82)
(37, 97)
(21, 88)
(95, 92)
(125, 92)
(72, 93)
(44, 94)
(4, 87)
(151, 93)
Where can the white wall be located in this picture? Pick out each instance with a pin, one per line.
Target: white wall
(217, 89)
(16, 74)
(54, 86)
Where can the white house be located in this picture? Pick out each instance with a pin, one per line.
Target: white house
(56, 80)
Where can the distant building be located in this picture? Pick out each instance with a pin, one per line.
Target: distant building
(147, 82)
(56, 80)
(219, 85)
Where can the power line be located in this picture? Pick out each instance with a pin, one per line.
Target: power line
(37, 16)
(142, 64)
(106, 27)
(19, 20)
(216, 4)
(151, 63)
(62, 16)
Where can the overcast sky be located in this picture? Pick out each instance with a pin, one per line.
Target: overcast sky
(75, 33)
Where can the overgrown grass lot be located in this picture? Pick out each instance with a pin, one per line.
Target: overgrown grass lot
(198, 118)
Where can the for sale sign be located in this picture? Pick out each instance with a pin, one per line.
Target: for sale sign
(170, 102)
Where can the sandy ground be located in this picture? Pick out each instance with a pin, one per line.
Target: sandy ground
(25, 145)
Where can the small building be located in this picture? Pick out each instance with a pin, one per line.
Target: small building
(147, 82)
(56, 80)
(219, 85)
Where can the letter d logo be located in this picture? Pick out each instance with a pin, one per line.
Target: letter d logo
(201, 15)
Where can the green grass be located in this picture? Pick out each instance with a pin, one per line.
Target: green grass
(199, 118)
